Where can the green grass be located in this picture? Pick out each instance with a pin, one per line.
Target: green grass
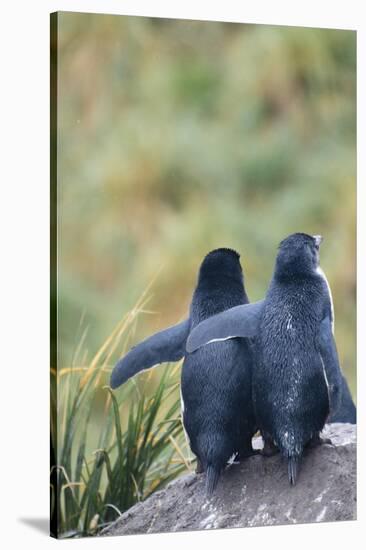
(113, 449)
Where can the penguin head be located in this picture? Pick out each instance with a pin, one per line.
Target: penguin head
(298, 255)
(221, 263)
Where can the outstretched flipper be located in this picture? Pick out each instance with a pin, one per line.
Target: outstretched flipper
(329, 356)
(237, 322)
(167, 345)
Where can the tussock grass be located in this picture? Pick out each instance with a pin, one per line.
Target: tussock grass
(109, 449)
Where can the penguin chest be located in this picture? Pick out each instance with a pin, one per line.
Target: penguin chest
(182, 416)
(321, 273)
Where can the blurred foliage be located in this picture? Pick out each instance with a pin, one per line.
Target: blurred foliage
(176, 137)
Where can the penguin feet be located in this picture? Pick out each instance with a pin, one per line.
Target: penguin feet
(269, 448)
(246, 453)
(316, 440)
(199, 467)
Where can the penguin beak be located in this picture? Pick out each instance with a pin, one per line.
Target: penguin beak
(318, 239)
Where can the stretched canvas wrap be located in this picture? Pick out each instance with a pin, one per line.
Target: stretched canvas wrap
(198, 167)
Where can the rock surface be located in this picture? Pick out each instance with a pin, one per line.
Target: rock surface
(256, 492)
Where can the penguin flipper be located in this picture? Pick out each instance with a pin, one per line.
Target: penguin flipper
(347, 409)
(329, 355)
(237, 322)
(165, 346)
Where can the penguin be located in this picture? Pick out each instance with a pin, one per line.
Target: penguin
(216, 388)
(346, 412)
(297, 381)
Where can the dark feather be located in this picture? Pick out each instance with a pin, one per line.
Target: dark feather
(240, 321)
(165, 346)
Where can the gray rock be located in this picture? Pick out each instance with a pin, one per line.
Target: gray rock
(256, 492)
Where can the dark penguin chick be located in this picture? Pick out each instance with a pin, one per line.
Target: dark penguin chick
(346, 412)
(216, 388)
(297, 380)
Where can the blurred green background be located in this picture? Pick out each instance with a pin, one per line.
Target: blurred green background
(176, 137)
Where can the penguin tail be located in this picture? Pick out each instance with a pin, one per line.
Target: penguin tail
(212, 477)
(292, 469)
